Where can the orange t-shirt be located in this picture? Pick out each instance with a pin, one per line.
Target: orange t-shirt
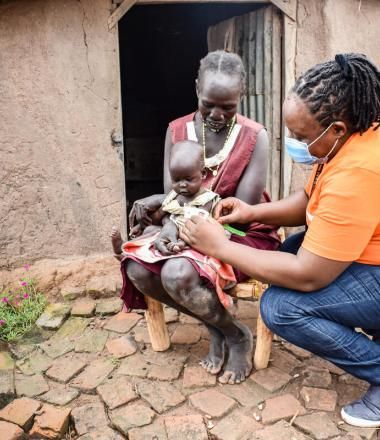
(343, 213)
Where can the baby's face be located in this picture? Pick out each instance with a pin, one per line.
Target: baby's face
(186, 179)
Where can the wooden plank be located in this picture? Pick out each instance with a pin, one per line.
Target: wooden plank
(276, 105)
(288, 7)
(251, 65)
(157, 329)
(290, 42)
(119, 12)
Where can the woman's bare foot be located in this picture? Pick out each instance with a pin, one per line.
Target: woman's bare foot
(239, 364)
(116, 241)
(214, 361)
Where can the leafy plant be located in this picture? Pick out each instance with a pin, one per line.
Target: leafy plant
(19, 309)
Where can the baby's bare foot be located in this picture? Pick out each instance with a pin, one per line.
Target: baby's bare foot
(116, 241)
(213, 362)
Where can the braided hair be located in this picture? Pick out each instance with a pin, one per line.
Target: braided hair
(221, 61)
(346, 88)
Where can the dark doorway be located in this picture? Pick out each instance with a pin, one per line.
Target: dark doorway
(160, 49)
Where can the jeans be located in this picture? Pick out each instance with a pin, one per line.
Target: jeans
(324, 321)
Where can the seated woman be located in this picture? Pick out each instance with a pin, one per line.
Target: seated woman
(326, 283)
(235, 151)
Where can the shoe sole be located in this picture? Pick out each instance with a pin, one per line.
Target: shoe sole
(360, 423)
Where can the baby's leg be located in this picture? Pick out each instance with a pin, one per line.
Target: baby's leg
(117, 242)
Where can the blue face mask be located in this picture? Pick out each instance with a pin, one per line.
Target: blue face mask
(299, 151)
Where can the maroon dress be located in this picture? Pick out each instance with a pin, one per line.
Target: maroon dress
(258, 236)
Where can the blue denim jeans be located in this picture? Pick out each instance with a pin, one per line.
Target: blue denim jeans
(324, 321)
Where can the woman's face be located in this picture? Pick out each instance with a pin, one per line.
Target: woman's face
(218, 98)
(304, 127)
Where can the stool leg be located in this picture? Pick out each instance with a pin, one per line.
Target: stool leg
(157, 329)
(263, 345)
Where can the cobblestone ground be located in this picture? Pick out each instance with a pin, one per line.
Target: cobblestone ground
(90, 373)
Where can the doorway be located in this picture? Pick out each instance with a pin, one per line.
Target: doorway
(160, 49)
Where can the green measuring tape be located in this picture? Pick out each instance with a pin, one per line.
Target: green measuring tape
(234, 231)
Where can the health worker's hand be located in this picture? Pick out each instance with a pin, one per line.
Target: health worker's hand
(204, 235)
(233, 210)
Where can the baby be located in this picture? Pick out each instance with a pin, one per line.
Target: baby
(187, 198)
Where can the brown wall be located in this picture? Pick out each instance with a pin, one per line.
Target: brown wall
(327, 27)
(60, 178)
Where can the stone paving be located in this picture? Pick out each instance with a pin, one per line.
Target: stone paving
(89, 372)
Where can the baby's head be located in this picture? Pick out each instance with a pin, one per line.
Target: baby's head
(186, 167)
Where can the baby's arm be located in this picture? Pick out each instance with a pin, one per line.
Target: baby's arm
(167, 242)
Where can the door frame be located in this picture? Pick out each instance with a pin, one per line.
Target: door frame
(288, 9)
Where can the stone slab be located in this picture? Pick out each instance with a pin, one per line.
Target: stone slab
(122, 322)
(93, 375)
(35, 362)
(235, 426)
(319, 398)
(60, 396)
(109, 306)
(212, 402)
(102, 434)
(31, 386)
(318, 424)
(65, 368)
(89, 418)
(92, 341)
(135, 365)
(279, 431)
(131, 416)
(281, 407)
(155, 430)
(121, 347)
(195, 376)
(272, 378)
(160, 395)
(117, 392)
(248, 393)
(317, 377)
(53, 316)
(7, 387)
(6, 361)
(85, 308)
(168, 372)
(186, 334)
(189, 427)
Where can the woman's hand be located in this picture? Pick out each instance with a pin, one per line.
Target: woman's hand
(233, 210)
(142, 208)
(204, 235)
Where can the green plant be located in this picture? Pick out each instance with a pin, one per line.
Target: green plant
(19, 309)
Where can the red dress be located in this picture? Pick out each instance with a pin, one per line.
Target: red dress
(258, 236)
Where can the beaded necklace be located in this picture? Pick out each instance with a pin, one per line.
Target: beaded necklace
(213, 163)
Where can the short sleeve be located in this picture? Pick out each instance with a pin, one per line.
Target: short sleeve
(347, 215)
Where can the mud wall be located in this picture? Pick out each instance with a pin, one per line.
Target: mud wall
(61, 179)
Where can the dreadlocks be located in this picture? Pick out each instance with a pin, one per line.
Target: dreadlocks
(346, 88)
(223, 62)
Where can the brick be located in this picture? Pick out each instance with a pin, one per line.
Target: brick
(6, 361)
(235, 426)
(317, 377)
(360, 433)
(55, 348)
(89, 418)
(281, 407)
(319, 425)
(170, 357)
(247, 393)
(279, 431)
(36, 362)
(53, 316)
(154, 431)
(135, 365)
(116, 392)
(319, 398)
(7, 387)
(85, 308)
(121, 347)
(160, 395)
(351, 380)
(195, 376)
(141, 334)
(297, 351)
(20, 350)
(131, 416)
(9, 431)
(212, 402)
(161, 372)
(272, 379)
(103, 434)
(73, 328)
(122, 322)
(284, 361)
(322, 363)
(186, 334)
(31, 386)
(64, 369)
(108, 306)
(92, 341)
(185, 427)
(348, 393)
(20, 412)
(51, 423)
(93, 375)
(60, 395)
(171, 315)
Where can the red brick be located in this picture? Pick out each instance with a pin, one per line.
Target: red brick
(160, 395)
(279, 431)
(317, 377)
(195, 376)
(319, 425)
(93, 375)
(297, 351)
(272, 379)
(322, 363)
(51, 423)
(212, 402)
(131, 416)
(116, 392)
(21, 412)
(9, 431)
(281, 407)
(247, 393)
(122, 322)
(84, 308)
(284, 361)
(167, 372)
(89, 418)
(185, 427)
(121, 347)
(186, 334)
(235, 426)
(65, 368)
(319, 398)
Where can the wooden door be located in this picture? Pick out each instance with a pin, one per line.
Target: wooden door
(257, 37)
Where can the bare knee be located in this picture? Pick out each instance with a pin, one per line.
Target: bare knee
(140, 277)
(179, 277)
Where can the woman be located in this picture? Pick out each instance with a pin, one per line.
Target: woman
(327, 282)
(235, 151)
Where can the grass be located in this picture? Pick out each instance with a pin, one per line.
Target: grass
(19, 309)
